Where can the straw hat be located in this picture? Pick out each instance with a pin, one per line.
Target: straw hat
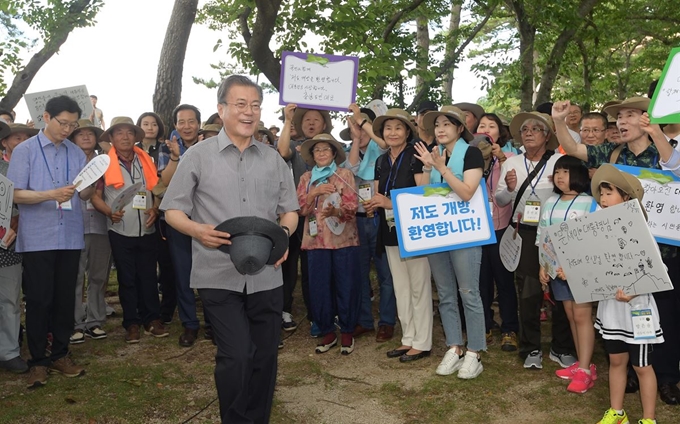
(399, 114)
(17, 129)
(300, 113)
(640, 103)
(473, 108)
(86, 124)
(307, 146)
(452, 112)
(120, 121)
(608, 173)
(262, 129)
(4, 130)
(519, 119)
(216, 128)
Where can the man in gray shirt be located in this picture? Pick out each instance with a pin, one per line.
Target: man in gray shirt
(224, 177)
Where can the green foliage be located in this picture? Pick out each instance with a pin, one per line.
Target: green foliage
(48, 19)
(376, 31)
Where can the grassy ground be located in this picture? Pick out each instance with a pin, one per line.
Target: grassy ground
(156, 381)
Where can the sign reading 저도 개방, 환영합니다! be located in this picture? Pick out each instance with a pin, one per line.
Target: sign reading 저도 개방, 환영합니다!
(432, 218)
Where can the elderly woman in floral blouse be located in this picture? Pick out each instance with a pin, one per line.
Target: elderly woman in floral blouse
(329, 203)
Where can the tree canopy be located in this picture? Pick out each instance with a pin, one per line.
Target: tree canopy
(525, 51)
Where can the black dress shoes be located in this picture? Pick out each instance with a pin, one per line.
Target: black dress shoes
(396, 353)
(669, 393)
(411, 358)
(188, 338)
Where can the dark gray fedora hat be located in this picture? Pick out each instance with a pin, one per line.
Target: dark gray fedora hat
(255, 242)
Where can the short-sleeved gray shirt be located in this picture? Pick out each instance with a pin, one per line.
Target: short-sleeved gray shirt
(215, 182)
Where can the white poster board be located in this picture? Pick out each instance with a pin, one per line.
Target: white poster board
(510, 249)
(318, 81)
(6, 203)
(36, 102)
(609, 249)
(664, 107)
(378, 107)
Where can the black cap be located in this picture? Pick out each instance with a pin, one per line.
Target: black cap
(545, 108)
(426, 106)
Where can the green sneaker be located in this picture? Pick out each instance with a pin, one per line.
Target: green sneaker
(611, 417)
(646, 421)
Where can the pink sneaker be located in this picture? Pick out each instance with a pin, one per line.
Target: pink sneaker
(568, 373)
(580, 383)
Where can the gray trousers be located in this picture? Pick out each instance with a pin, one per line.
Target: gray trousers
(10, 311)
(95, 261)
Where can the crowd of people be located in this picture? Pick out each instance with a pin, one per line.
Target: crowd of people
(334, 202)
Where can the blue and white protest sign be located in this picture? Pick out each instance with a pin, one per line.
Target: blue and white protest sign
(661, 202)
(431, 219)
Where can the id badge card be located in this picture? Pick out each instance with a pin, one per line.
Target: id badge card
(389, 218)
(66, 206)
(313, 229)
(139, 201)
(491, 208)
(643, 324)
(365, 192)
(532, 211)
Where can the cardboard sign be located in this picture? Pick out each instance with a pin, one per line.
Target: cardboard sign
(6, 203)
(664, 107)
(432, 219)
(92, 172)
(125, 197)
(547, 257)
(607, 250)
(318, 81)
(661, 202)
(36, 102)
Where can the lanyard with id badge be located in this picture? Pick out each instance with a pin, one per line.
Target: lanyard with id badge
(141, 200)
(389, 213)
(643, 324)
(313, 226)
(532, 207)
(64, 206)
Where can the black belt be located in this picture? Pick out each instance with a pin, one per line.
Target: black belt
(528, 227)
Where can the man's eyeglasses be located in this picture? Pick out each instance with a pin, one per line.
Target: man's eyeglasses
(67, 125)
(243, 106)
(595, 131)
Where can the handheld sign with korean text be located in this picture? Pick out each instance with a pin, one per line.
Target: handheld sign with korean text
(36, 102)
(125, 197)
(661, 202)
(332, 222)
(510, 249)
(318, 81)
(607, 250)
(664, 107)
(92, 172)
(432, 219)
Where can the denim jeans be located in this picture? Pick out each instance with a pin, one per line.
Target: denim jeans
(368, 234)
(340, 266)
(458, 271)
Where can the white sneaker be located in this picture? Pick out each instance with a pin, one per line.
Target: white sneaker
(472, 366)
(450, 364)
(534, 360)
(77, 337)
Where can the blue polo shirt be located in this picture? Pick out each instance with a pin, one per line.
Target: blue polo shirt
(43, 226)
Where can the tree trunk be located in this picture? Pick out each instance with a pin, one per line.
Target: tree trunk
(527, 35)
(587, 78)
(171, 63)
(25, 76)
(422, 49)
(557, 54)
(451, 44)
